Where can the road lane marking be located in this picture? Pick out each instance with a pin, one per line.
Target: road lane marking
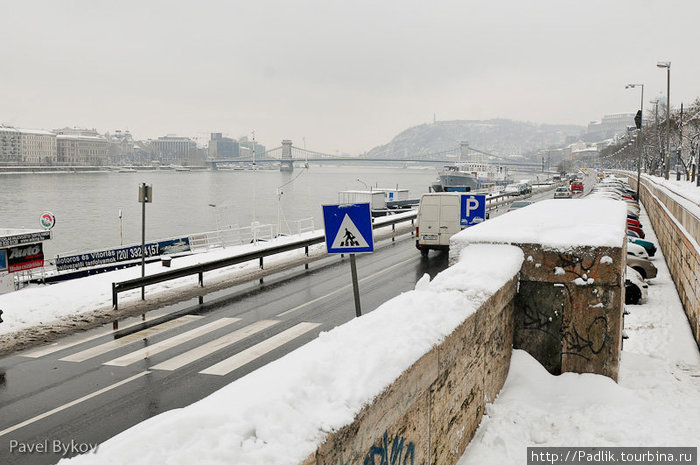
(122, 341)
(213, 346)
(71, 404)
(169, 343)
(348, 286)
(242, 358)
(56, 346)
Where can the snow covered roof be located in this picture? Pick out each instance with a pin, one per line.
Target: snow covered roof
(555, 223)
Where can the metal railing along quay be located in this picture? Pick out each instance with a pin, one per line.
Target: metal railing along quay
(200, 268)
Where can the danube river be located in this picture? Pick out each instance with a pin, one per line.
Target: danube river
(87, 205)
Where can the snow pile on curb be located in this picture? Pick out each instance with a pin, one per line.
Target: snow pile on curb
(281, 413)
(558, 224)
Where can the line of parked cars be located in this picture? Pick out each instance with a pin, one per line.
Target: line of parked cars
(639, 267)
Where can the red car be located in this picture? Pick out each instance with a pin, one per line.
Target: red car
(576, 187)
(639, 231)
(635, 223)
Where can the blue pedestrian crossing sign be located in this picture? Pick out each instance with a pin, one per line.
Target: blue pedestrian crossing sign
(348, 228)
(472, 209)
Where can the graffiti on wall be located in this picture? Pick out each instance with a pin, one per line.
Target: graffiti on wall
(383, 454)
(591, 341)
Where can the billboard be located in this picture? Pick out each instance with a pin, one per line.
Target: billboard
(105, 257)
(25, 257)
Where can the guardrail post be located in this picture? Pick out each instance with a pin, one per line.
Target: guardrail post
(114, 297)
(306, 251)
(393, 233)
(201, 279)
(262, 268)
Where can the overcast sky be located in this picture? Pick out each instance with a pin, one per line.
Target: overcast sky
(345, 76)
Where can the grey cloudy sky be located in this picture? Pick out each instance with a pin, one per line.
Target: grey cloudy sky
(346, 76)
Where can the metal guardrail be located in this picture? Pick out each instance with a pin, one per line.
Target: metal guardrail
(200, 268)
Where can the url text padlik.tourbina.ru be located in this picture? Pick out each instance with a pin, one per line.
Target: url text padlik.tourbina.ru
(607, 455)
(54, 446)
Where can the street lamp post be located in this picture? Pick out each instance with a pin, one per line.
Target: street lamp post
(667, 65)
(639, 141)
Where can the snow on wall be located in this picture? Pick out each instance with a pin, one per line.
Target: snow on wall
(282, 412)
(554, 223)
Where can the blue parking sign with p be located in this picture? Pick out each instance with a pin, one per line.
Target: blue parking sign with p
(472, 209)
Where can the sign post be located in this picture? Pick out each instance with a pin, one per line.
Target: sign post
(348, 229)
(145, 195)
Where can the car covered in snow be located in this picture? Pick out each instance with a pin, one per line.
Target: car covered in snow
(644, 267)
(636, 290)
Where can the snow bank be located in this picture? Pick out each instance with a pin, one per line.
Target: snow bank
(555, 224)
(280, 413)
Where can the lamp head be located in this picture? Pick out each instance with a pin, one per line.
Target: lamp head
(663, 64)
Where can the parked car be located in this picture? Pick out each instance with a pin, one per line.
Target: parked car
(636, 250)
(632, 234)
(562, 193)
(636, 290)
(639, 231)
(642, 266)
(648, 245)
(519, 204)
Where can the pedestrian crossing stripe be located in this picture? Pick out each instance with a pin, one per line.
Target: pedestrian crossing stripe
(349, 236)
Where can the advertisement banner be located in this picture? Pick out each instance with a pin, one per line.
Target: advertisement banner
(106, 257)
(26, 238)
(25, 257)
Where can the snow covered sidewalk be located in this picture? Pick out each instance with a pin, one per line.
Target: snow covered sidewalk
(656, 403)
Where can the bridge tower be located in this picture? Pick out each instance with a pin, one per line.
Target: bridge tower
(464, 151)
(286, 162)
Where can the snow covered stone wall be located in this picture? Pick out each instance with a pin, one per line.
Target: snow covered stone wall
(676, 222)
(568, 310)
(430, 412)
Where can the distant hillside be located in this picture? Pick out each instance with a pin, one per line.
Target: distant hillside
(498, 136)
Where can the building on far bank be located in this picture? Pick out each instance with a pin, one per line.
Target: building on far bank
(10, 145)
(175, 150)
(222, 148)
(81, 147)
(27, 146)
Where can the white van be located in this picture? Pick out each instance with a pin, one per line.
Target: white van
(438, 219)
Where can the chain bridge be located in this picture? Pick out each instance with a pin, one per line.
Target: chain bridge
(287, 155)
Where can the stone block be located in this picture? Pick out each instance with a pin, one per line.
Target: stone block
(592, 330)
(556, 266)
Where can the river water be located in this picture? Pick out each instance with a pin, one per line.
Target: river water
(86, 205)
